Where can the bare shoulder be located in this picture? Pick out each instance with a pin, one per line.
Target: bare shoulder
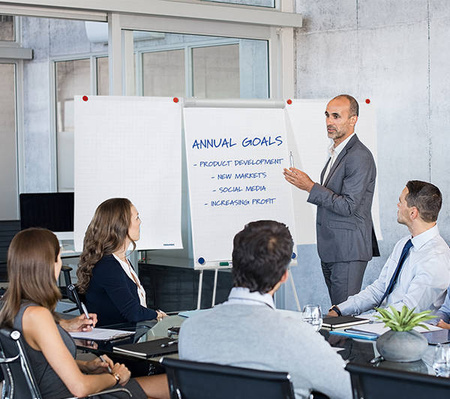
(37, 314)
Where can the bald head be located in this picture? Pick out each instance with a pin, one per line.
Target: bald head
(341, 116)
(353, 104)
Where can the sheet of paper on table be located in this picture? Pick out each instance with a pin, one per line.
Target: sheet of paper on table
(101, 334)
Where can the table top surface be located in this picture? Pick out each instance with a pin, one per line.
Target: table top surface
(351, 350)
(144, 331)
(363, 351)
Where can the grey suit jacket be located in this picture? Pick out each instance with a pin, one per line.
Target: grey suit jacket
(344, 202)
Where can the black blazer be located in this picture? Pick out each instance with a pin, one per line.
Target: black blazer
(113, 295)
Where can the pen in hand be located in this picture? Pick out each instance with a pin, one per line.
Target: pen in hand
(83, 306)
(168, 344)
(104, 361)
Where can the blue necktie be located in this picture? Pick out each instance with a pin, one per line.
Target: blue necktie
(394, 278)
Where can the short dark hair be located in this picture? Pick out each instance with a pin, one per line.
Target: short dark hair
(354, 106)
(426, 197)
(261, 255)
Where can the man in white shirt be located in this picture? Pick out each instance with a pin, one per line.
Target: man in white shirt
(417, 273)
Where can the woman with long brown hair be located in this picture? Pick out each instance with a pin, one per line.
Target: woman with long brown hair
(105, 275)
(34, 264)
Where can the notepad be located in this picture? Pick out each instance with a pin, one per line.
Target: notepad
(342, 321)
(101, 334)
(153, 348)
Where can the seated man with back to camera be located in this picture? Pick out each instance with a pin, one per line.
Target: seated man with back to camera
(247, 330)
(417, 272)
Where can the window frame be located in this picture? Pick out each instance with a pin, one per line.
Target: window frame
(187, 48)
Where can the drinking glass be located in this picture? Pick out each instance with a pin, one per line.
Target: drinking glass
(441, 362)
(312, 314)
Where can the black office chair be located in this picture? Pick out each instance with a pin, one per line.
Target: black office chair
(369, 382)
(19, 380)
(195, 380)
(65, 271)
(69, 290)
(75, 297)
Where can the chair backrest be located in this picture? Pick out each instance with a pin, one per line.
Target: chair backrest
(74, 296)
(370, 382)
(195, 380)
(19, 381)
(65, 272)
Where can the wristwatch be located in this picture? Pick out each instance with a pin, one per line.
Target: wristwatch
(336, 309)
(117, 377)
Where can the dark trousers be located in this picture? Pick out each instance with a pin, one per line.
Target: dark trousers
(343, 279)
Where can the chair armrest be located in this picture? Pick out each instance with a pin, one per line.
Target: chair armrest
(9, 359)
(112, 390)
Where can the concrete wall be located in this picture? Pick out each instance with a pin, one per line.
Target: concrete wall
(395, 54)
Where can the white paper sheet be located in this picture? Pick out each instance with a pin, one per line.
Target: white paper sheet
(130, 147)
(235, 161)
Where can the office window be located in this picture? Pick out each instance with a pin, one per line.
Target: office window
(73, 78)
(163, 73)
(8, 150)
(7, 28)
(201, 66)
(216, 71)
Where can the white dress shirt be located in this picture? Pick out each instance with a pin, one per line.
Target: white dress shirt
(422, 282)
(334, 153)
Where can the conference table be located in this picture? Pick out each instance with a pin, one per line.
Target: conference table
(351, 349)
(144, 331)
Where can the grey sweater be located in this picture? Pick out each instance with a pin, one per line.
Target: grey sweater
(257, 336)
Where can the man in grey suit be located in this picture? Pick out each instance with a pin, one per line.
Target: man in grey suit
(344, 201)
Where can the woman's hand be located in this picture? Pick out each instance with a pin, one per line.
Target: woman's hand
(443, 324)
(98, 365)
(160, 315)
(122, 372)
(80, 323)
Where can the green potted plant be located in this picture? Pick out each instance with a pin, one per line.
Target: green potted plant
(402, 343)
